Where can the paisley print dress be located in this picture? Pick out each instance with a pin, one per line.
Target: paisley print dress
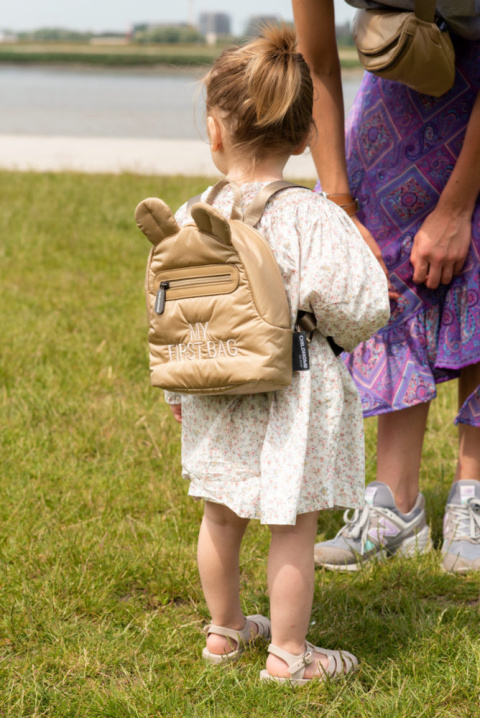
(401, 148)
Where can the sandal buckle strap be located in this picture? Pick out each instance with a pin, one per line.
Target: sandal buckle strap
(308, 658)
(301, 664)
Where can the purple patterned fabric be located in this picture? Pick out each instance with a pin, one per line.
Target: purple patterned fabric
(401, 148)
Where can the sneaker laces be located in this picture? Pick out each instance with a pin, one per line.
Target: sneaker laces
(467, 520)
(357, 525)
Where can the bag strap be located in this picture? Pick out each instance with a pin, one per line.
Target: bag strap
(307, 323)
(255, 209)
(213, 194)
(425, 10)
(237, 196)
(190, 203)
(305, 320)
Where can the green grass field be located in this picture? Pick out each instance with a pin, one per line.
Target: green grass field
(101, 611)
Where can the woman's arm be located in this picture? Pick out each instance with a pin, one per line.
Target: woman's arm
(441, 245)
(315, 26)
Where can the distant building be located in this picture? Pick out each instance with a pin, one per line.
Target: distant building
(214, 23)
(256, 22)
(6, 36)
(153, 26)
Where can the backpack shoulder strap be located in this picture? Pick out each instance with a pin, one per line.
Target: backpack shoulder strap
(237, 196)
(255, 209)
(190, 203)
(212, 195)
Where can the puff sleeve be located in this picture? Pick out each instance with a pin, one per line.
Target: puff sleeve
(341, 282)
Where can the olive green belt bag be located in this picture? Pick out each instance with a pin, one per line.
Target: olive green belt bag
(408, 47)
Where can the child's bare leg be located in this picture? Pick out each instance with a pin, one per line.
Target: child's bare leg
(468, 466)
(218, 552)
(399, 451)
(291, 574)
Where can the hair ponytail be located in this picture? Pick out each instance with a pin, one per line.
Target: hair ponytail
(264, 92)
(274, 75)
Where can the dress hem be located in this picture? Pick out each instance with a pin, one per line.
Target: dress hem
(256, 516)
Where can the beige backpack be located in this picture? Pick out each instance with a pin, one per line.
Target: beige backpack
(219, 319)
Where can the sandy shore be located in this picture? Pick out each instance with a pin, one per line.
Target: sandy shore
(112, 155)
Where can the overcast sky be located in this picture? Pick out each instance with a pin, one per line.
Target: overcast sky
(100, 15)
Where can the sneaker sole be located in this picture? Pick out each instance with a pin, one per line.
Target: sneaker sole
(457, 571)
(416, 545)
(460, 570)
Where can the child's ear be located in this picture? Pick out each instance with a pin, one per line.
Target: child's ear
(214, 133)
(303, 145)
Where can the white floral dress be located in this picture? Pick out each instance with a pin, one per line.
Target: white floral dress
(274, 456)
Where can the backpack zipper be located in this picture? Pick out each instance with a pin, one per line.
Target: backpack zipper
(160, 298)
(186, 283)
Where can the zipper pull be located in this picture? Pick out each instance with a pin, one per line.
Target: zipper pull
(160, 299)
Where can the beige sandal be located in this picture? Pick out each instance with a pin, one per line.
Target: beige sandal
(340, 663)
(242, 638)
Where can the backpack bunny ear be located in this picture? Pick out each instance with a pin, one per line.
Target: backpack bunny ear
(209, 220)
(155, 219)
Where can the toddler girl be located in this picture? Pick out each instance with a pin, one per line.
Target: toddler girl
(284, 456)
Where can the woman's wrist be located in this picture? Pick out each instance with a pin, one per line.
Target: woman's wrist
(457, 203)
(344, 200)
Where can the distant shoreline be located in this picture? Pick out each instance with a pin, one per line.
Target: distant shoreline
(160, 69)
(151, 57)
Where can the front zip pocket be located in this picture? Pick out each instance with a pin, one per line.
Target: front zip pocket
(189, 282)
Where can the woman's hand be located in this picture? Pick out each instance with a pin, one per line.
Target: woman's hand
(376, 252)
(176, 411)
(440, 246)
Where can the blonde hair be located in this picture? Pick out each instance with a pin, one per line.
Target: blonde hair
(264, 93)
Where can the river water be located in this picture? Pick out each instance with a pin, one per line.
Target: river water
(84, 102)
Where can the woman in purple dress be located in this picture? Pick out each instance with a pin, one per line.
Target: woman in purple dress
(413, 163)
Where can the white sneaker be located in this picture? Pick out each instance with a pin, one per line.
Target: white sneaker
(461, 528)
(378, 531)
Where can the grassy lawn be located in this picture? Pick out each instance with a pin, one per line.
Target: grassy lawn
(101, 610)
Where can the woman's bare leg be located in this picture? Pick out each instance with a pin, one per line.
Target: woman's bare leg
(468, 466)
(399, 452)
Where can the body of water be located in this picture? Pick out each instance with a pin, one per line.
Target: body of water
(84, 102)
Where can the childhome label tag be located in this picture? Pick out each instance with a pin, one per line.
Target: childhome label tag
(300, 358)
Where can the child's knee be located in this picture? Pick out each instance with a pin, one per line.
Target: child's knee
(305, 524)
(222, 516)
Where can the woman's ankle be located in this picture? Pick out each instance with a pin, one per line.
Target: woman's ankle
(406, 501)
(405, 494)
